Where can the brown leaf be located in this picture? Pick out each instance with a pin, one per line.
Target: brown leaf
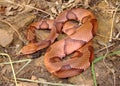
(21, 20)
(2, 9)
(10, 11)
(5, 38)
(104, 29)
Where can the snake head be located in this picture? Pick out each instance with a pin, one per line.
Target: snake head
(29, 49)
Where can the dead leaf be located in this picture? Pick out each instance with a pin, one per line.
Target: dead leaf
(21, 20)
(5, 38)
(54, 10)
(26, 8)
(6, 69)
(10, 11)
(2, 9)
(104, 28)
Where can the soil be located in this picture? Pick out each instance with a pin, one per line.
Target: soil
(17, 15)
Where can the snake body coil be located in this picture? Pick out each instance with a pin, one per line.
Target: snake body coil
(78, 42)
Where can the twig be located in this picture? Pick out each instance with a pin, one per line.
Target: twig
(11, 2)
(101, 58)
(38, 9)
(104, 48)
(13, 29)
(26, 60)
(107, 37)
(117, 35)
(108, 66)
(112, 25)
(106, 2)
(4, 54)
(110, 54)
(23, 67)
(50, 83)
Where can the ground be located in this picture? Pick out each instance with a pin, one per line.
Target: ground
(15, 17)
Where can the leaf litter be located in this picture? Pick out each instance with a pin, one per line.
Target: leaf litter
(19, 14)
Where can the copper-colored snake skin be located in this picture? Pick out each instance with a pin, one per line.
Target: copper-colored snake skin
(77, 44)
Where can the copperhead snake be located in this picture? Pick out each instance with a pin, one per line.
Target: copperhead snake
(78, 42)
